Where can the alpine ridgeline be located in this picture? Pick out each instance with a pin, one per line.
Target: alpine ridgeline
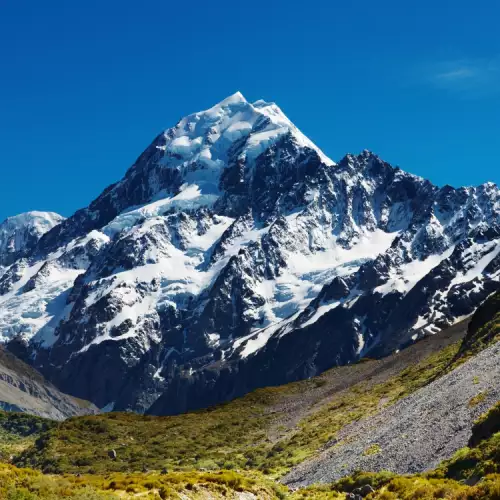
(234, 254)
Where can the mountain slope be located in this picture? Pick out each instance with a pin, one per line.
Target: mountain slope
(425, 428)
(235, 255)
(471, 473)
(303, 426)
(415, 434)
(20, 233)
(271, 429)
(23, 389)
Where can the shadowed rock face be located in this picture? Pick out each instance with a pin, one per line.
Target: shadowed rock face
(234, 254)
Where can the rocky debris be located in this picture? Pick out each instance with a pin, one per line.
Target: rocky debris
(364, 491)
(354, 496)
(23, 389)
(416, 433)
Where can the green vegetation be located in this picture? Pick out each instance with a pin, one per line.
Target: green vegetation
(27, 484)
(392, 487)
(359, 401)
(472, 473)
(478, 398)
(372, 450)
(235, 435)
(23, 425)
(216, 438)
(484, 329)
(482, 457)
(18, 431)
(486, 425)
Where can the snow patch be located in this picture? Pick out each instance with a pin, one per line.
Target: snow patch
(405, 278)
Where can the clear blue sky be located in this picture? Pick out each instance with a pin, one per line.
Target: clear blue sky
(85, 86)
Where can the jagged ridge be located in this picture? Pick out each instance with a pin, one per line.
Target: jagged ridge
(234, 254)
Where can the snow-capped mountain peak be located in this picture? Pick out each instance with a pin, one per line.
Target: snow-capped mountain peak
(19, 232)
(233, 248)
(208, 136)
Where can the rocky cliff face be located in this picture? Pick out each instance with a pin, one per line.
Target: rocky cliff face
(234, 254)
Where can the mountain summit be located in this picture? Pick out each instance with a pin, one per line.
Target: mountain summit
(21, 232)
(234, 254)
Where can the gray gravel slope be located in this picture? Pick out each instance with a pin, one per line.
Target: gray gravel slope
(417, 432)
(23, 389)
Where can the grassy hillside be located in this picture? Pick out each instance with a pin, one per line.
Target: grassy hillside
(482, 457)
(256, 432)
(19, 431)
(473, 473)
(269, 430)
(484, 328)
(27, 484)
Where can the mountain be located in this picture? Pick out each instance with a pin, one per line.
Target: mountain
(20, 233)
(23, 389)
(234, 255)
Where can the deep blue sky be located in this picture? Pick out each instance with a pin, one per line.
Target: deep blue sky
(85, 86)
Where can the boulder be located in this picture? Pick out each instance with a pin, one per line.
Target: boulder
(366, 490)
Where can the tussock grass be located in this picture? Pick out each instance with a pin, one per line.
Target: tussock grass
(18, 432)
(27, 484)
